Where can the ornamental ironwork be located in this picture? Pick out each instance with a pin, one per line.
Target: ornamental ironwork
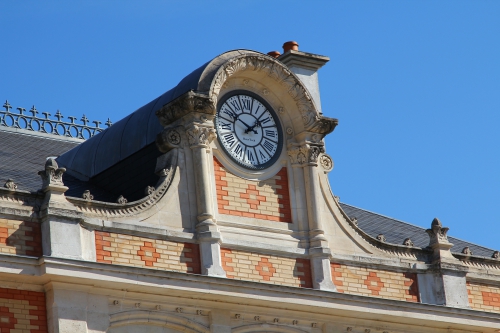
(50, 126)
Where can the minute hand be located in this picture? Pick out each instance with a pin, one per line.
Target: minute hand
(249, 128)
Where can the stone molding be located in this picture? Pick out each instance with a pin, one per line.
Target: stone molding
(312, 119)
(185, 104)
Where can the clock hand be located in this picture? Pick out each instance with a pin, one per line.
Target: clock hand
(249, 128)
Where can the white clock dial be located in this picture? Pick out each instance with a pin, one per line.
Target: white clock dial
(248, 130)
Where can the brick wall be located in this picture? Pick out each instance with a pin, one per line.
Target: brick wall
(22, 311)
(483, 297)
(249, 266)
(378, 283)
(20, 237)
(112, 248)
(267, 200)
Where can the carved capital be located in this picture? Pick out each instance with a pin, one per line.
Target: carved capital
(306, 154)
(199, 136)
(183, 105)
(52, 176)
(9, 184)
(168, 139)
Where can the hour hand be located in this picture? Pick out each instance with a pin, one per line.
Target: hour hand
(249, 128)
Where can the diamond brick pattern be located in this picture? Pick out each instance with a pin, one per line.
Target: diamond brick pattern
(484, 297)
(378, 283)
(22, 311)
(20, 237)
(120, 249)
(249, 266)
(266, 200)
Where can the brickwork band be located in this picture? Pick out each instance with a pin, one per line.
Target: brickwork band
(113, 248)
(249, 266)
(484, 297)
(267, 200)
(22, 311)
(378, 283)
(20, 237)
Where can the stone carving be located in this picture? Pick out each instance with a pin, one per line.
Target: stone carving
(367, 330)
(313, 121)
(179, 310)
(87, 196)
(276, 320)
(381, 238)
(200, 136)
(467, 251)
(246, 82)
(199, 312)
(281, 110)
(265, 92)
(437, 233)
(137, 305)
(408, 242)
(121, 200)
(295, 322)
(305, 154)
(314, 325)
(10, 185)
(289, 131)
(256, 318)
(181, 106)
(52, 175)
(237, 316)
(158, 307)
(496, 255)
(326, 162)
(349, 329)
(150, 190)
(354, 220)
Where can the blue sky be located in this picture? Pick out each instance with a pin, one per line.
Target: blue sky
(415, 84)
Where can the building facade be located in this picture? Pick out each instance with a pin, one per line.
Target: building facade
(209, 210)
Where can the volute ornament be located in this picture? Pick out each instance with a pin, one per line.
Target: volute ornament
(121, 200)
(9, 184)
(326, 162)
(87, 196)
(467, 251)
(408, 242)
(149, 190)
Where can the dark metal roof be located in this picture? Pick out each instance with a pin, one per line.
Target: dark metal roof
(396, 231)
(137, 130)
(23, 154)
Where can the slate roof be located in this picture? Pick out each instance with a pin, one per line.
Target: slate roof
(23, 154)
(396, 231)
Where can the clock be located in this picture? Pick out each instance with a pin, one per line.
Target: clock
(248, 130)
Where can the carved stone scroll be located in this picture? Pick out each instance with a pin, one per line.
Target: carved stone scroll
(183, 105)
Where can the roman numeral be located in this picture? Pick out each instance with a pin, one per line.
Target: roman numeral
(250, 155)
(229, 113)
(265, 120)
(271, 133)
(268, 145)
(225, 126)
(245, 103)
(235, 105)
(238, 151)
(262, 155)
(229, 138)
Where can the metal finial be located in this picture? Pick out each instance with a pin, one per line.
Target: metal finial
(46, 114)
(21, 110)
(58, 115)
(7, 106)
(96, 122)
(34, 111)
(108, 123)
(85, 120)
(72, 119)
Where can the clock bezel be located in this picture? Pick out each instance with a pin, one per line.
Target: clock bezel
(276, 119)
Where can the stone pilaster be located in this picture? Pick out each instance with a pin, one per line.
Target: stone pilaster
(62, 234)
(445, 283)
(306, 156)
(200, 136)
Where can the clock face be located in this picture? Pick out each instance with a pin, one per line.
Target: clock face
(248, 130)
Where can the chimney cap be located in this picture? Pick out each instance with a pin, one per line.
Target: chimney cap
(291, 45)
(274, 54)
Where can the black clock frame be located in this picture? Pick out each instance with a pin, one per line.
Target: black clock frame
(276, 119)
